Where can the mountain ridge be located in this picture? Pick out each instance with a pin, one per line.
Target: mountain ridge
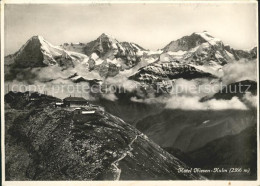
(109, 57)
(59, 144)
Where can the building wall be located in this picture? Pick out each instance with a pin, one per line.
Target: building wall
(75, 103)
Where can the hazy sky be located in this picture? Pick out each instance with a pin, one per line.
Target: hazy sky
(150, 25)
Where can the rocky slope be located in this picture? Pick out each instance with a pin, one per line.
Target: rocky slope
(163, 71)
(172, 128)
(237, 151)
(56, 144)
(239, 54)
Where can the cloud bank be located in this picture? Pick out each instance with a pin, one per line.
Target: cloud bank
(240, 70)
(193, 103)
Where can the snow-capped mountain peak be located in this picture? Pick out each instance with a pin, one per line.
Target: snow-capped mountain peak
(112, 55)
(38, 52)
(208, 37)
(106, 35)
(201, 49)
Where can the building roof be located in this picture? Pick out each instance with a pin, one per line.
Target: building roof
(57, 103)
(88, 112)
(80, 99)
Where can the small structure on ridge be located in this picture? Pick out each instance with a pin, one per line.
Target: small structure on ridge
(75, 101)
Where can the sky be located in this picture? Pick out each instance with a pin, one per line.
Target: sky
(152, 26)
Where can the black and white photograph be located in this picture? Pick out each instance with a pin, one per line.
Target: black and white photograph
(133, 91)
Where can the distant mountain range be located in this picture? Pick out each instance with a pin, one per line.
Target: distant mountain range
(108, 57)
